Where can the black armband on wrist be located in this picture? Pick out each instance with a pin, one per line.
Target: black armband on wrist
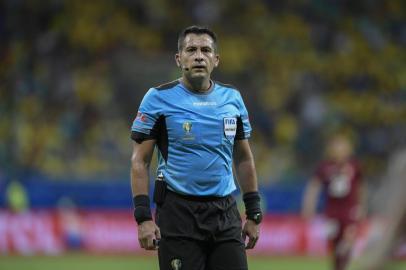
(252, 202)
(142, 208)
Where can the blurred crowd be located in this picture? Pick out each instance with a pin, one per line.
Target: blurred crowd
(72, 74)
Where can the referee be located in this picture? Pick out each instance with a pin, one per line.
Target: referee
(201, 129)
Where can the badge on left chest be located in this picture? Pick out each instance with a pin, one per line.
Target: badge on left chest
(230, 127)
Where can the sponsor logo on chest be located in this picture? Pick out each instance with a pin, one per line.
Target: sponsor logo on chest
(204, 103)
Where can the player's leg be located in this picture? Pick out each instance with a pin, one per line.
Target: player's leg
(181, 253)
(334, 234)
(228, 255)
(333, 243)
(344, 244)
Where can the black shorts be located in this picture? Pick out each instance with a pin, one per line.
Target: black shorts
(200, 233)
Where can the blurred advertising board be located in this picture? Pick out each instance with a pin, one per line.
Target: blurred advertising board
(30, 233)
(114, 231)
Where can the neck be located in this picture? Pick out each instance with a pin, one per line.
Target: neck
(197, 85)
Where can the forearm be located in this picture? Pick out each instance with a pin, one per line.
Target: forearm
(140, 163)
(310, 199)
(244, 167)
(139, 178)
(246, 175)
(245, 170)
(309, 203)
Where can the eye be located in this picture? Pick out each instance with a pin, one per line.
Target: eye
(191, 49)
(206, 49)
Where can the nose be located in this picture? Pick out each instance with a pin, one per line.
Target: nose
(199, 56)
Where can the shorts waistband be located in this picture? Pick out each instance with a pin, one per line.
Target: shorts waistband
(208, 198)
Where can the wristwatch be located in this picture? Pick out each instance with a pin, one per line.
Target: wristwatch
(257, 218)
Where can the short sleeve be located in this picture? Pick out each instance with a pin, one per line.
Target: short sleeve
(243, 123)
(146, 123)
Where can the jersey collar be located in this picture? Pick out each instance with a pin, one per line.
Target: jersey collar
(212, 84)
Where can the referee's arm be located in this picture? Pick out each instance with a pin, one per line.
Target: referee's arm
(140, 163)
(244, 166)
(247, 178)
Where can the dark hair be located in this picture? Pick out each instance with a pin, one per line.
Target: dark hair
(198, 30)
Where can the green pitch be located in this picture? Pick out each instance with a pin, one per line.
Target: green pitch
(110, 262)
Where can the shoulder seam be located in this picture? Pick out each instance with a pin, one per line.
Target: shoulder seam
(230, 86)
(166, 86)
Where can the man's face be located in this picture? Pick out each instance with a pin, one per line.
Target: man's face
(340, 149)
(197, 57)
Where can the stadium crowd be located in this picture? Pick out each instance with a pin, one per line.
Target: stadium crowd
(72, 74)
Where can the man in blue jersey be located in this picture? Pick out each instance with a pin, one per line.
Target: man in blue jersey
(201, 129)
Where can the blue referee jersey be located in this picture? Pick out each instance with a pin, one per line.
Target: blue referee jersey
(195, 134)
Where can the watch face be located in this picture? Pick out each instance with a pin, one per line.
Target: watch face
(257, 218)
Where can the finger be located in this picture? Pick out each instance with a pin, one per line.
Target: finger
(252, 241)
(244, 235)
(140, 242)
(157, 238)
(158, 233)
(255, 242)
(156, 243)
(144, 243)
(249, 244)
(150, 243)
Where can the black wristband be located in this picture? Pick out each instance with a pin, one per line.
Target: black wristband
(252, 202)
(142, 208)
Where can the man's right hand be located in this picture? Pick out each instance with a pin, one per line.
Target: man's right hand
(148, 231)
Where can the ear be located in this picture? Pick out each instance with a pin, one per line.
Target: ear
(177, 59)
(217, 60)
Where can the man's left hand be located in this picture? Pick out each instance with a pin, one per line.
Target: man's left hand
(251, 229)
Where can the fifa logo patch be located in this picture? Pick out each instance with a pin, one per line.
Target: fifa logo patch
(230, 127)
(187, 127)
(176, 264)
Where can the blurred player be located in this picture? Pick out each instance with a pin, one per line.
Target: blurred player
(340, 176)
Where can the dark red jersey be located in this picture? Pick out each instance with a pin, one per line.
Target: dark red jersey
(342, 183)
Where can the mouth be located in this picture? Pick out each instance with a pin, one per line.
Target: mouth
(199, 67)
